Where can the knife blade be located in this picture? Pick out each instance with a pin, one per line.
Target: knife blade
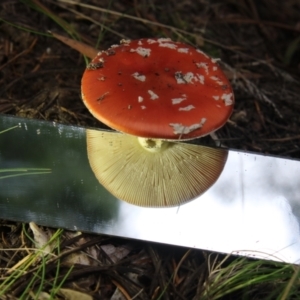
(253, 209)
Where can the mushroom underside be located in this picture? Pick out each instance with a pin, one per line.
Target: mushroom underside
(171, 177)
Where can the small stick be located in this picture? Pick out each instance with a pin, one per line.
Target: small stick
(82, 48)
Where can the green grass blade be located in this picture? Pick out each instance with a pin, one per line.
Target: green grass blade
(8, 129)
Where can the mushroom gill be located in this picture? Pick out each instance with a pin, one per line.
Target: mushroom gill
(171, 177)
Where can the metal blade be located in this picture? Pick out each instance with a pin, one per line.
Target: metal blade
(253, 209)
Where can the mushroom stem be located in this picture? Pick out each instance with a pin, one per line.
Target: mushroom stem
(153, 145)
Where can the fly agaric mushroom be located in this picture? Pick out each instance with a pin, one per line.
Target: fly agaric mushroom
(159, 91)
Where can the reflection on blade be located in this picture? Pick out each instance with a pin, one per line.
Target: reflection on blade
(171, 177)
(14, 172)
(252, 209)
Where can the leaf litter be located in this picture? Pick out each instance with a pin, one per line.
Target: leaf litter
(258, 44)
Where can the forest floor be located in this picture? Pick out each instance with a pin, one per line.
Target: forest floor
(258, 43)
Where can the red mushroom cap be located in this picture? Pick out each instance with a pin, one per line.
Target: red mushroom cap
(157, 88)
